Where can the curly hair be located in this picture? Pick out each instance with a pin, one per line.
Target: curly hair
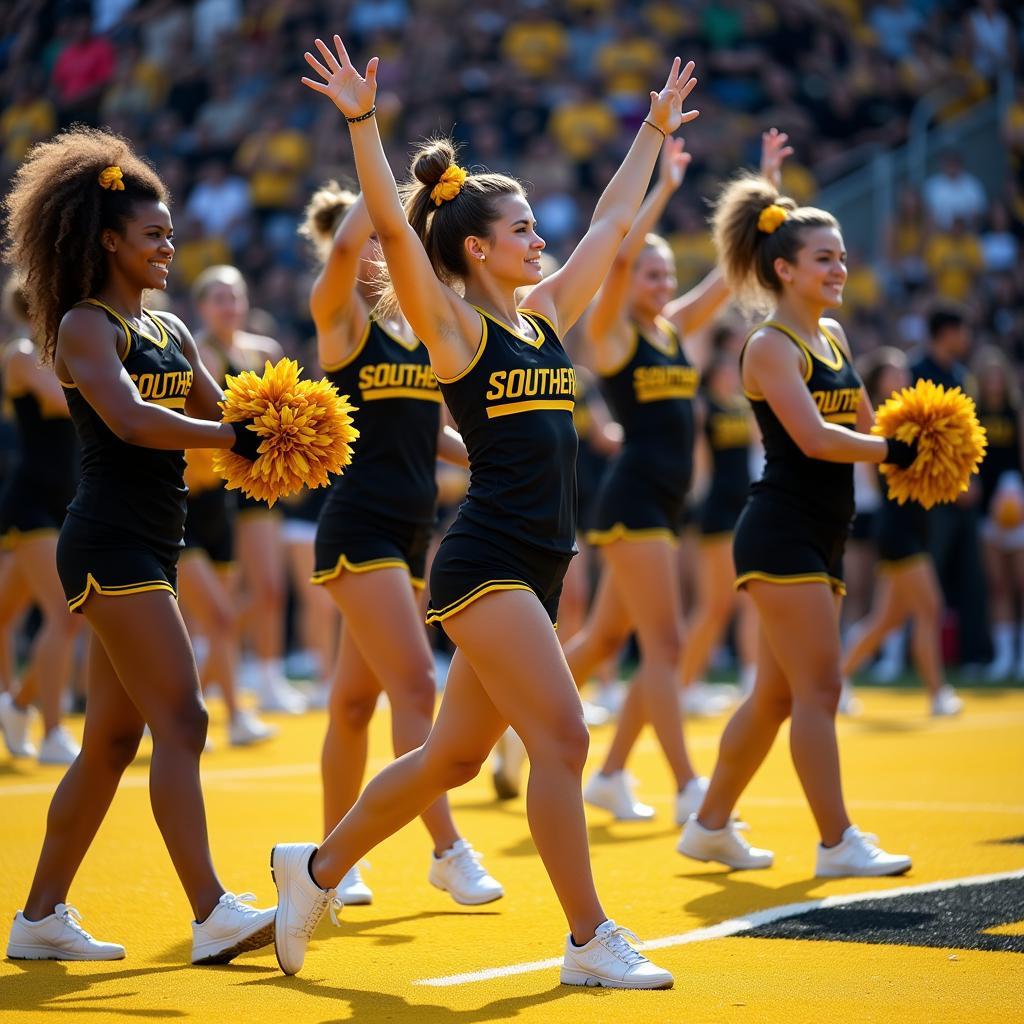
(443, 228)
(747, 252)
(324, 211)
(55, 214)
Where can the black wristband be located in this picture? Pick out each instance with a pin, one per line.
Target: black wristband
(901, 453)
(362, 117)
(664, 135)
(247, 442)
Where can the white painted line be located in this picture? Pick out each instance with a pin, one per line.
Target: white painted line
(733, 926)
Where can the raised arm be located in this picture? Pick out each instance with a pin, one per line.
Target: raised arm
(23, 373)
(451, 448)
(448, 325)
(87, 348)
(565, 295)
(697, 307)
(339, 311)
(607, 322)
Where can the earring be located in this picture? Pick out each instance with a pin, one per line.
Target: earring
(482, 257)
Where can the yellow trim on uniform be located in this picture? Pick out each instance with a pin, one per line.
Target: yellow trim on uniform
(891, 565)
(13, 537)
(532, 342)
(354, 354)
(395, 337)
(526, 311)
(666, 392)
(122, 590)
(675, 344)
(476, 356)
(627, 359)
(837, 585)
(491, 586)
(599, 538)
(841, 418)
(326, 575)
(715, 538)
(160, 342)
(420, 393)
(511, 408)
(168, 403)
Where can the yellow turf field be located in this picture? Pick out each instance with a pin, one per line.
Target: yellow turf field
(951, 793)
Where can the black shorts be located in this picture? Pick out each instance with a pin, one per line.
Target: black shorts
(719, 513)
(901, 533)
(208, 526)
(27, 508)
(779, 543)
(95, 558)
(470, 563)
(863, 527)
(635, 502)
(358, 541)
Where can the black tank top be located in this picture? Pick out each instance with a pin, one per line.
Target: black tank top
(727, 429)
(47, 448)
(821, 489)
(398, 415)
(1003, 454)
(139, 491)
(513, 405)
(651, 396)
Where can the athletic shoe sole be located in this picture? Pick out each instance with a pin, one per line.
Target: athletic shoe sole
(581, 978)
(225, 954)
(883, 873)
(472, 901)
(22, 951)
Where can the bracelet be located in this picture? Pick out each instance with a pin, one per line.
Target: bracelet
(362, 117)
(664, 135)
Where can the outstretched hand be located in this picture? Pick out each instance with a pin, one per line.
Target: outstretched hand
(352, 93)
(773, 152)
(673, 163)
(667, 105)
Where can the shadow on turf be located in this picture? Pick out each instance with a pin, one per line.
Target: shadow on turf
(45, 986)
(739, 895)
(377, 1006)
(607, 834)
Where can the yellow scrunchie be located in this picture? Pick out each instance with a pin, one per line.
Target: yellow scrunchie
(449, 185)
(110, 178)
(771, 217)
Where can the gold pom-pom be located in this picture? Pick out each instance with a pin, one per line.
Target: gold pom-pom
(305, 427)
(111, 178)
(771, 217)
(449, 185)
(950, 442)
(200, 474)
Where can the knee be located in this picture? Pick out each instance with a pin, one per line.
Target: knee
(417, 698)
(455, 768)
(183, 727)
(353, 711)
(662, 647)
(115, 752)
(821, 695)
(775, 706)
(566, 744)
(223, 621)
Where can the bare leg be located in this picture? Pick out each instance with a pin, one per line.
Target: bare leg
(925, 600)
(15, 598)
(605, 631)
(318, 618)
(716, 600)
(889, 610)
(261, 558)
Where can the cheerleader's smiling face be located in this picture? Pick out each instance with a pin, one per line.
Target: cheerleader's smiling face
(224, 307)
(653, 284)
(818, 274)
(510, 252)
(143, 248)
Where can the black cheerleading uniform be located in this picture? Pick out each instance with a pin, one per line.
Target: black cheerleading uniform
(380, 514)
(643, 493)
(1003, 454)
(901, 532)
(36, 494)
(516, 530)
(727, 430)
(590, 463)
(209, 524)
(123, 531)
(794, 525)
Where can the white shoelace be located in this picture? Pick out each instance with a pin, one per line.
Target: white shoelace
(615, 942)
(240, 902)
(467, 862)
(72, 918)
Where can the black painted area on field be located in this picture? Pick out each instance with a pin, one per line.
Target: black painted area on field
(948, 919)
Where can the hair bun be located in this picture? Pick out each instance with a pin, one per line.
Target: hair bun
(432, 161)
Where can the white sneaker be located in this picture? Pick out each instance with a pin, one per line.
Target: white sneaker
(232, 927)
(688, 801)
(509, 758)
(58, 937)
(609, 961)
(279, 695)
(58, 747)
(611, 696)
(247, 728)
(724, 845)
(14, 723)
(300, 903)
(459, 873)
(849, 702)
(946, 702)
(615, 793)
(858, 854)
(318, 696)
(353, 891)
(699, 700)
(594, 715)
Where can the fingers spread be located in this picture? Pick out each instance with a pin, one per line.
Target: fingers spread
(317, 66)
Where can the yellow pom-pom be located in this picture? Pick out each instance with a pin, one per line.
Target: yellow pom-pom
(1008, 502)
(200, 474)
(111, 178)
(771, 217)
(305, 427)
(950, 442)
(449, 185)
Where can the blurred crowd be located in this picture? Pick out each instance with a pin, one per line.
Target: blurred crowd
(209, 91)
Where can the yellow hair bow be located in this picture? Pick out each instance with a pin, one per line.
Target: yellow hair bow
(110, 178)
(771, 217)
(449, 185)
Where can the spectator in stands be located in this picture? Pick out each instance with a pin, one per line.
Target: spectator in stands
(220, 201)
(84, 66)
(954, 259)
(953, 192)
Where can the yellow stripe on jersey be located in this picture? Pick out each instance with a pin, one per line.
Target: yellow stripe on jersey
(420, 393)
(664, 393)
(168, 403)
(512, 408)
